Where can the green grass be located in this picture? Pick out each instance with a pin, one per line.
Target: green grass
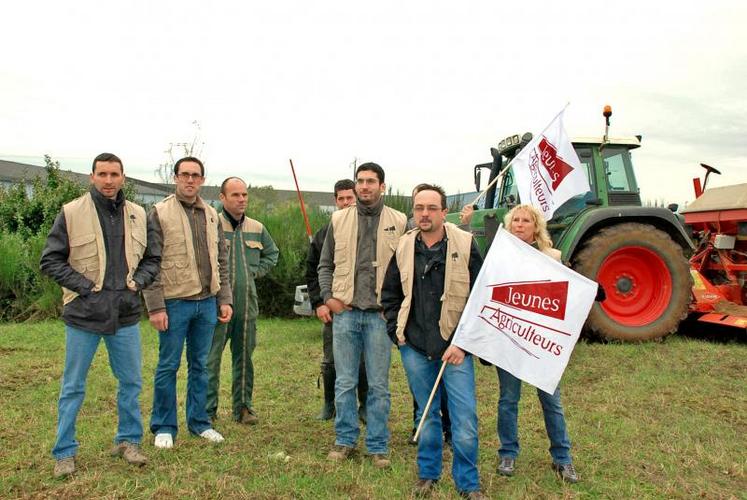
(657, 420)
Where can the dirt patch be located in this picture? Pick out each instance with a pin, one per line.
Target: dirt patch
(28, 376)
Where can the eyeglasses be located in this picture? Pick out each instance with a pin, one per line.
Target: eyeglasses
(185, 176)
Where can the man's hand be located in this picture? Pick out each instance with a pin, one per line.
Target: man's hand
(159, 320)
(336, 306)
(225, 313)
(465, 216)
(323, 313)
(453, 355)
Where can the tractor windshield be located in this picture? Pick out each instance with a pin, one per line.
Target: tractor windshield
(510, 193)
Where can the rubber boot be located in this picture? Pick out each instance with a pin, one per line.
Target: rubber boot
(328, 378)
(362, 392)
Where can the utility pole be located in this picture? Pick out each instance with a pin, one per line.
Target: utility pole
(353, 165)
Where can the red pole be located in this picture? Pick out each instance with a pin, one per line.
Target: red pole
(300, 200)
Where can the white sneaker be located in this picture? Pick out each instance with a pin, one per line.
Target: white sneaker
(212, 435)
(164, 440)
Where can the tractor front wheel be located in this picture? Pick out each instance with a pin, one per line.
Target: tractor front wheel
(646, 279)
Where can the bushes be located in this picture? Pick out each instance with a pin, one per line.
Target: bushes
(285, 224)
(24, 292)
(25, 220)
(30, 214)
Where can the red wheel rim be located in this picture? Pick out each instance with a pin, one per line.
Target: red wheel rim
(638, 286)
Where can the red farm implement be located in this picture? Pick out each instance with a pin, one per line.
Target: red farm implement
(718, 219)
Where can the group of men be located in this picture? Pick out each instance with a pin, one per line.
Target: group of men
(378, 283)
(195, 268)
(372, 283)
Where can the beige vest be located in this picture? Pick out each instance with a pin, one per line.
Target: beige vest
(456, 279)
(179, 275)
(86, 241)
(345, 226)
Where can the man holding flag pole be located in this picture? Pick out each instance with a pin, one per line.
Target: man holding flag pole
(424, 292)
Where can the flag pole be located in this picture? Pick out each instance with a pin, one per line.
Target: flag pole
(503, 172)
(303, 207)
(428, 405)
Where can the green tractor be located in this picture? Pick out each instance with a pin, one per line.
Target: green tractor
(634, 252)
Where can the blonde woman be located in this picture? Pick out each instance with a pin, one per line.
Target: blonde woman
(526, 223)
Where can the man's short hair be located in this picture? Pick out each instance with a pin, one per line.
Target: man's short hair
(343, 185)
(430, 187)
(188, 159)
(107, 157)
(371, 167)
(225, 181)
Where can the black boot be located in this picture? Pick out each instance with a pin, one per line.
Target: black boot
(328, 377)
(362, 392)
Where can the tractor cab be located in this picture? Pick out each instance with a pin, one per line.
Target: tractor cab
(606, 162)
(635, 253)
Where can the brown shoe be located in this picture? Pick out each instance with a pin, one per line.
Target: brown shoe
(380, 461)
(475, 495)
(338, 453)
(64, 467)
(248, 417)
(424, 488)
(130, 452)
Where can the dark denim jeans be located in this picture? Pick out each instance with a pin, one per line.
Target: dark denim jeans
(508, 414)
(192, 321)
(124, 358)
(359, 333)
(459, 383)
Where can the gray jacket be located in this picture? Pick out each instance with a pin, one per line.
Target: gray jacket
(115, 305)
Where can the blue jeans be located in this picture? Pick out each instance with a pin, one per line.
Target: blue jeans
(357, 332)
(508, 414)
(125, 361)
(193, 321)
(459, 383)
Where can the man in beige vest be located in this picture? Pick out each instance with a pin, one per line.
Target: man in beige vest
(97, 252)
(359, 243)
(192, 294)
(423, 296)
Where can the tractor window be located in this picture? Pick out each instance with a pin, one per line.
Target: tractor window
(615, 166)
(584, 156)
(509, 191)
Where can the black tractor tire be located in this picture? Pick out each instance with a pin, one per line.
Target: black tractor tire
(631, 260)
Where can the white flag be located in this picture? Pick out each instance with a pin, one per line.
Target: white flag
(525, 312)
(548, 171)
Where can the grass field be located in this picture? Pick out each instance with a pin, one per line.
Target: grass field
(657, 420)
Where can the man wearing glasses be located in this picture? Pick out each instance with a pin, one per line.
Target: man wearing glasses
(191, 295)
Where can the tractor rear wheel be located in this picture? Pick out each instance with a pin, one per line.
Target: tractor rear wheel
(646, 279)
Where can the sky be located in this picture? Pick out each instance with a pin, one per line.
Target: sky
(424, 88)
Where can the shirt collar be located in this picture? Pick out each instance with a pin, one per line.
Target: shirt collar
(234, 223)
